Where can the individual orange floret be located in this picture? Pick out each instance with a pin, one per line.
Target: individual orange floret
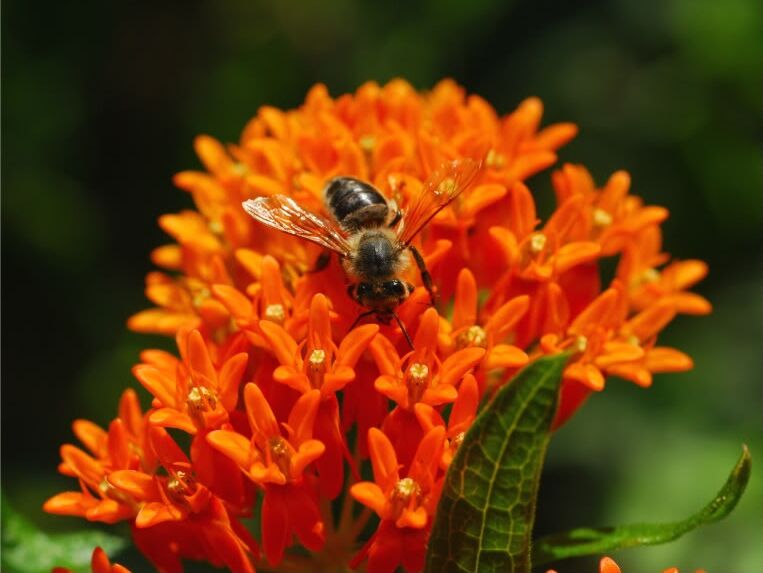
(174, 508)
(612, 216)
(123, 446)
(277, 463)
(405, 505)
(317, 363)
(639, 269)
(461, 417)
(482, 330)
(99, 563)
(192, 394)
(418, 377)
(593, 337)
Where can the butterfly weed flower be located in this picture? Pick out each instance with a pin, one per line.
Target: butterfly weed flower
(293, 380)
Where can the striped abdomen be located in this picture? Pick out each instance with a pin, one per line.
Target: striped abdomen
(355, 204)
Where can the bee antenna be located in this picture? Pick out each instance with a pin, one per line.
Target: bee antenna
(361, 316)
(403, 329)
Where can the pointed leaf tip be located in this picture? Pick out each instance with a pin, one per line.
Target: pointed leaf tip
(594, 541)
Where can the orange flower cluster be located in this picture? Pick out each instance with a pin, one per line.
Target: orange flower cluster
(279, 400)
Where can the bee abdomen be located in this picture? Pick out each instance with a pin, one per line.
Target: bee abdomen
(355, 204)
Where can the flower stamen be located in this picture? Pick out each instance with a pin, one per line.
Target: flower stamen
(275, 313)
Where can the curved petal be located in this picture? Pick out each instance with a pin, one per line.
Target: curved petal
(383, 459)
(260, 416)
(232, 445)
(465, 300)
(355, 343)
(505, 356)
(370, 495)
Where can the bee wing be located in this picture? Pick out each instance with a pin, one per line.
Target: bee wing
(444, 185)
(285, 214)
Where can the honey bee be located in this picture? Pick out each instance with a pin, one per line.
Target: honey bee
(372, 237)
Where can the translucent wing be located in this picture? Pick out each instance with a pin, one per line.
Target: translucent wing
(285, 214)
(444, 185)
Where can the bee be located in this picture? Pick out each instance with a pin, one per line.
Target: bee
(372, 237)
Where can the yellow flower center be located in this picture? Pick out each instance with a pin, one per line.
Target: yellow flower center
(494, 159)
(201, 399)
(367, 143)
(537, 243)
(472, 336)
(316, 367)
(580, 344)
(181, 484)
(418, 376)
(280, 454)
(601, 218)
(275, 313)
(404, 491)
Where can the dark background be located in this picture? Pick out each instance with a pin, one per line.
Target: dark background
(101, 101)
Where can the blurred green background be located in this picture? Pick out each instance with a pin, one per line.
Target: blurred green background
(101, 102)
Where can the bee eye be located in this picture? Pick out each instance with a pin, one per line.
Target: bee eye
(394, 288)
(364, 290)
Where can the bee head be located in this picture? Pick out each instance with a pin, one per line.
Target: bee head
(381, 295)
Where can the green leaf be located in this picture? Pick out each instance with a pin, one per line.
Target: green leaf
(590, 541)
(26, 549)
(486, 512)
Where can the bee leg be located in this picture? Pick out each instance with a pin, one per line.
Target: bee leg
(321, 262)
(426, 278)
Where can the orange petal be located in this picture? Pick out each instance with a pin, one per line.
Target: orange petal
(427, 458)
(199, 361)
(507, 243)
(237, 304)
(337, 379)
(137, 484)
(427, 416)
(465, 405)
(232, 445)
(384, 353)
(258, 412)
(91, 435)
(458, 364)
(171, 418)
(309, 451)
(416, 519)
(355, 343)
(302, 415)
(691, 303)
(441, 394)
(155, 513)
(370, 495)
(426, 336)
(598, 312)
(383, 459)
(465, 300)
(617, 352)
(319, 324)
(586, 374)
(83, 465)
(159, 385)
(282, 345)
(649, 322)
(292, 378)
(664, 359)
(507, 316)
(607, 565)
(573, 254)
(505, 356)
(230, 379)
(392, 389)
